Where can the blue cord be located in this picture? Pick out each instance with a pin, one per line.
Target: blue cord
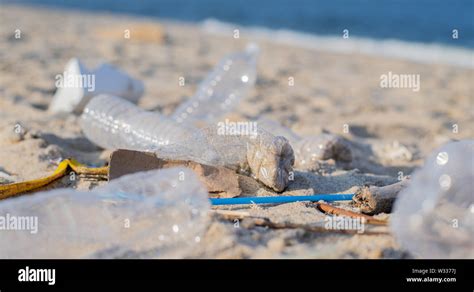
(280, 199)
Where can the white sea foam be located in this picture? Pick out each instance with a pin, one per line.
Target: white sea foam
(412, 51)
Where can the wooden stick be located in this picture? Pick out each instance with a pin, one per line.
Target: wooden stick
(230, 215)
(328, 209)
(265, 222)
(373, 200)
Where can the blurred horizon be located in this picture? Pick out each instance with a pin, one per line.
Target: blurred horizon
(420, 21)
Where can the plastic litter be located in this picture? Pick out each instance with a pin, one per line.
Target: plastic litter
(160, 213)
(434, 216)
(79, 85)
(114, 123)
(14, 189)
(222, 89)
(280, 199)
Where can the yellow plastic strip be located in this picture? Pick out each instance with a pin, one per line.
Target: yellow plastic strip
(14, 189)
(82, 169)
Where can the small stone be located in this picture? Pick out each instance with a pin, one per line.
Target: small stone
(5, 178)
(14, 133)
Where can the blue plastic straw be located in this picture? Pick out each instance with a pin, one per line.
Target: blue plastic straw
(281, 199)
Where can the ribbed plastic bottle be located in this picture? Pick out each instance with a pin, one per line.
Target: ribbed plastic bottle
(127, 125)
(434, 216)
(115, 123)
(154, 214)
(222, 89)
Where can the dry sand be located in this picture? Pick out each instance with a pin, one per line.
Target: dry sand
(391, 130)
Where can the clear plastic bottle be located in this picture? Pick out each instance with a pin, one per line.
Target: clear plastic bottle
(434, 216)
(112, 122)
(309, 150)
(157, 214)
(127, 125)
(222, 89)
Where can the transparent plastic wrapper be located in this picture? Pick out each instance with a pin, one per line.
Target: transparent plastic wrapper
(434, 216)
(222, 89)
(310, 149)
(80, 85)
(114, 123)
(154, 214)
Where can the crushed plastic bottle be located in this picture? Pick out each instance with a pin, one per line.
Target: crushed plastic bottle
(265, 157)
(113, 123)
(310, 149)
(222, 89)
(434, 216)
(154, 214)
(321, 147)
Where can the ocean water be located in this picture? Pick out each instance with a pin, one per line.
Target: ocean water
(426, 21)
(416, 30)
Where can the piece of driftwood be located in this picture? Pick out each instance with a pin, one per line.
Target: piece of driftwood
(219, 181)
(373, 200)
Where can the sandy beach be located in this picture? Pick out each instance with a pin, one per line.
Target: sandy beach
(390, 130)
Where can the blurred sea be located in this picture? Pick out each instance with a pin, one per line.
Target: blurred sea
(413, 29)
